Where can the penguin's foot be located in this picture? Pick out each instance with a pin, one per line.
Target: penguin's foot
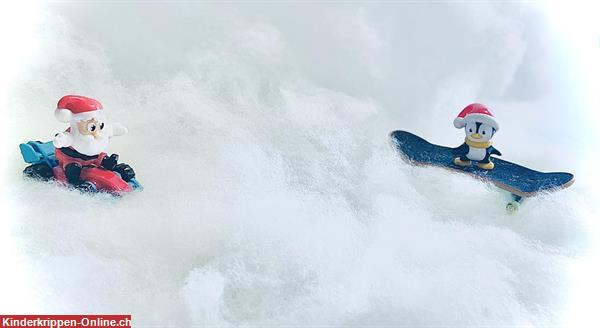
(460, 162)
(486, 166)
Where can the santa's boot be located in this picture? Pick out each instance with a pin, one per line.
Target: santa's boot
(73, 173)
(125, 171)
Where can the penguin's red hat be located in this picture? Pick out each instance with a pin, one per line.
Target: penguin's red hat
(475, 113)
(73, 107)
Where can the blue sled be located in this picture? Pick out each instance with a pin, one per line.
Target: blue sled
(43, 163)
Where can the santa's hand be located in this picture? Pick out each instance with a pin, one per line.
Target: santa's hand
(109, 162)
(118, 129)
(62, 139)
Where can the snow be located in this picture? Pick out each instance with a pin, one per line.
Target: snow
(272, 195)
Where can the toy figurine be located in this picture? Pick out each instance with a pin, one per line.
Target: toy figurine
(78, 157)
(480, 126)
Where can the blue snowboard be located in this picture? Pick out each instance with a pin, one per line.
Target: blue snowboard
(517, 179)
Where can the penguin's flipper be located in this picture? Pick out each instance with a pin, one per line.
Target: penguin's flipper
(494, 151)
(461, 150)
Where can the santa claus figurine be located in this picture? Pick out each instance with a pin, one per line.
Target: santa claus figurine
(84, 142)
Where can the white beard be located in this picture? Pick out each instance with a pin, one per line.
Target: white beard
(88, 145)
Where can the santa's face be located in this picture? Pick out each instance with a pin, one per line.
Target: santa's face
(89, 136)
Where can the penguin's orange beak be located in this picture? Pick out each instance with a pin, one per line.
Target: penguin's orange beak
(476, 136)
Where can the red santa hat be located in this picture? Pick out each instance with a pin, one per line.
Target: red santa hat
(475, 113)
(71, 108)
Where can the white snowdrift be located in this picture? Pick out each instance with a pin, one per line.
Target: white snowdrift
(271, 195)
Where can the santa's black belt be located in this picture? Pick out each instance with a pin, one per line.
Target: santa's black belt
(75, 154)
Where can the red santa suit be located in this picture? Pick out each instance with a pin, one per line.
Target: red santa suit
(71, 146)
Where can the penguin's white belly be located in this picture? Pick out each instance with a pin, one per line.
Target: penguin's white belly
(476, 154)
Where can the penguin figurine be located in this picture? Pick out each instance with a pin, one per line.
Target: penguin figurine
(480, 126)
